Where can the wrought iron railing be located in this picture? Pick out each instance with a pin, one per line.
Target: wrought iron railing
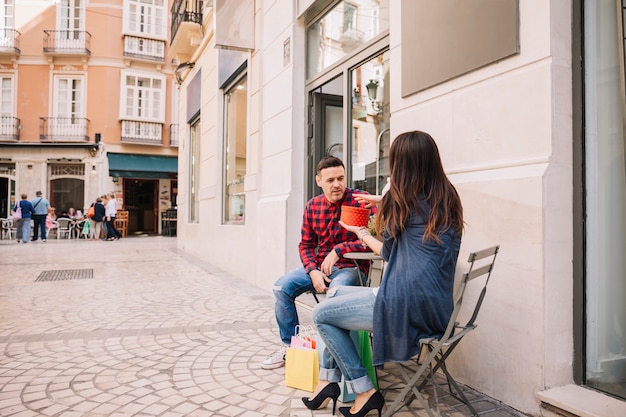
(67, 41)
(148, 133)
(10, 40)
(64, 129)
(144, 48)
(185, 11)
(10, 128)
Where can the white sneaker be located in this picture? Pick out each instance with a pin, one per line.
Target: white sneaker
(275, 360)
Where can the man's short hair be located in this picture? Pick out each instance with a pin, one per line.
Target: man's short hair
(329, 162)
(38, 193)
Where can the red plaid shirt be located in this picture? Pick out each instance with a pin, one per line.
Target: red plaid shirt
(321, 232)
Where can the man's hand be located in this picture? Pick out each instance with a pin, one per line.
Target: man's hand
(329, 261)
(319, 280)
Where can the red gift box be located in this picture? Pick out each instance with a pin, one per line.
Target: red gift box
(355, 216)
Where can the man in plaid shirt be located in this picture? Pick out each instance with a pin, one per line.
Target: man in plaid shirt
(323, 244)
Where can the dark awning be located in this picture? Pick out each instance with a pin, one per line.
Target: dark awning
(142, 166)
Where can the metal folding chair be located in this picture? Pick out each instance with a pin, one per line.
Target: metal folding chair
(439, 349)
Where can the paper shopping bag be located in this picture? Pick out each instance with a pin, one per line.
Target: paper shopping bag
(365, 350)
(301, 368)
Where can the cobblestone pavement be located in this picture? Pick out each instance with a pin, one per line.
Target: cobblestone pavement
(137, 328)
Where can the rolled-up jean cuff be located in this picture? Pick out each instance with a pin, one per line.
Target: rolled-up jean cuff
(361, 385)
(330, 375)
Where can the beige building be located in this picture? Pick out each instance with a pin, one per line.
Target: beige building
(85, 107)
(526, 101)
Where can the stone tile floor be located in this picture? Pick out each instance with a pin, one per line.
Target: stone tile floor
(138, 328)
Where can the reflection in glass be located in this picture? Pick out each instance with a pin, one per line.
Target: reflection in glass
(236, 133)
(345, 28)
(370, 125)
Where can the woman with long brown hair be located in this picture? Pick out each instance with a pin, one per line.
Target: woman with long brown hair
(421, 221)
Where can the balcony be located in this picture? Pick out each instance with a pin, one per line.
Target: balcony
(144, 48)
(10, 128)
(146, 133)
(10, 43)
(63, 129)
(67, 43)
(186, 30)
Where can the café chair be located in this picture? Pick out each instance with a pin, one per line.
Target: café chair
(438, 349)
(64, 228)
(121, 222)
(7, 229)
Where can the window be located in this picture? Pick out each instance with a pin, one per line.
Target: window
(235, 151)
(6, 96)
(369, 141)
(6, 16)
(605, 198)
(342, 30)
(194, 171)
(143, 97)
(146, 17)
(70, 20)
(69, 98)
(68, 108)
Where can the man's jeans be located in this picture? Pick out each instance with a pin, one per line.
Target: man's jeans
(295, 283)
(39, 223)
(349, 308)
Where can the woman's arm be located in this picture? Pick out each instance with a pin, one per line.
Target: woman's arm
(365, 236)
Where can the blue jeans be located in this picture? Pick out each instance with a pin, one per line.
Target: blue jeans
(349, 308)
(295, 283)
(39, 221)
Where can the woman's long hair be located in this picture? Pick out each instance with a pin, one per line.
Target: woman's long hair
(416, 172)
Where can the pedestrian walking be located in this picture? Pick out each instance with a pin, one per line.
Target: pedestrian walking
(111, 211)
(40, 211)
(26, 209)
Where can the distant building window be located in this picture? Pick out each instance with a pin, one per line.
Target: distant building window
(6, 95)
(69, 98)
(194, 171)
(6, 14)
(143, 97)
(70, 17)
(146, 17)
(235, 151)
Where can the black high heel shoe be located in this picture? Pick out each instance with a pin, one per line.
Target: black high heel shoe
(330, 391)
(375, 402)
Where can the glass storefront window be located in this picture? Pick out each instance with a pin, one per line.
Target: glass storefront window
(605, 203)
(235, 155)
(194, 172)
(344, 29)
(370, 124)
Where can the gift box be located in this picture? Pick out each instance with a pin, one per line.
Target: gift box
(355, 216)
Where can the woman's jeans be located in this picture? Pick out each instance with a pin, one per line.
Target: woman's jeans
(349, 308)
(295, 283)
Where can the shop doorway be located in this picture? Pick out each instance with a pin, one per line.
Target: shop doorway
(7, 196)
(140, 200)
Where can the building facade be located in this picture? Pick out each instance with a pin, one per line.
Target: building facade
(526, 102)
(86, 106)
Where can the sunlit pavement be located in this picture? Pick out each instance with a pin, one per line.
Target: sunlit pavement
(136, 328)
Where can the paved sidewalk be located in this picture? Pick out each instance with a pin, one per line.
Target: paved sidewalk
(136, 328)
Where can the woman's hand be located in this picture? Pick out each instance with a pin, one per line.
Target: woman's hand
(349, 228)
(368, 200)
